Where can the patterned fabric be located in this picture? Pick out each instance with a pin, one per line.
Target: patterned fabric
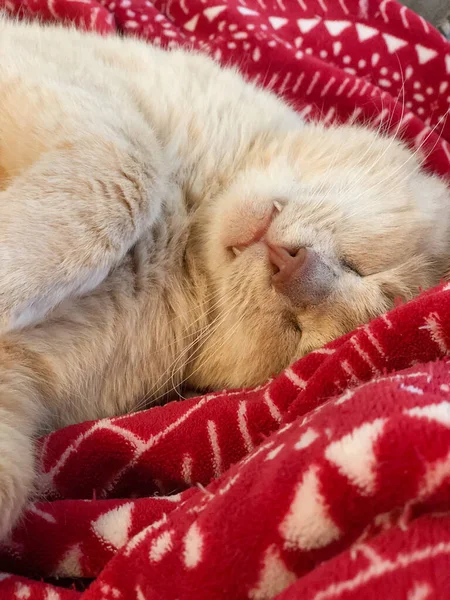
(330, 481)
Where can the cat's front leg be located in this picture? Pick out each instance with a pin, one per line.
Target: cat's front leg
(71, 217)
(23, 378)
(70, 368)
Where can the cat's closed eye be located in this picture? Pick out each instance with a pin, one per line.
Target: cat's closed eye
(350, 266)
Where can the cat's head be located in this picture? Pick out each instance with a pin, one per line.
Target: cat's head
(319, 232)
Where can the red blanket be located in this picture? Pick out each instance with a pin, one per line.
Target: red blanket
(331, 481)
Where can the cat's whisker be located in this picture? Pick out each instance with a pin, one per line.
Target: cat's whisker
(207, 307)
(411, 157)
(218, 347)
(150, 398)
(399, 184)
(201, 340)
(199, 343)
(190, 345)
(393, 136)
(419, 150)
(182, 314)
(208, 331)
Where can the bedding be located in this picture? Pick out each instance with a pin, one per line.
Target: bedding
(332, 480)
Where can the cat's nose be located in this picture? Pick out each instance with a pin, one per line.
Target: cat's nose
(301, 275)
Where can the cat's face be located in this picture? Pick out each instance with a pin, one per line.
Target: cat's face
(319, 233)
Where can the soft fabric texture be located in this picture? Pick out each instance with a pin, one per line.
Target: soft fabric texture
(331, 481)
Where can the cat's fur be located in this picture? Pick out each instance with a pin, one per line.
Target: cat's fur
(128, 174)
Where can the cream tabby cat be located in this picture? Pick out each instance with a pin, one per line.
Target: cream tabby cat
(164, 224)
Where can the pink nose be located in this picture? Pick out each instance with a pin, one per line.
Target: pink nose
(287, 265)
(303, 276)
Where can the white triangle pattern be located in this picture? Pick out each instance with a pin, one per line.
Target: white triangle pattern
(365, 32)
(307, 524)
(424, 54)
(335, 28)
(192, 23)
(277, 22)
(354, 455)
(70, 564)
(393, 43)
(306, 25)
(114, 525)
(274, 576)
(212, 12)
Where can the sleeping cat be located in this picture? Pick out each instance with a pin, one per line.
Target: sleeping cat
(165, 225)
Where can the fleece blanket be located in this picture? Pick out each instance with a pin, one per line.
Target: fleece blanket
(332, 480)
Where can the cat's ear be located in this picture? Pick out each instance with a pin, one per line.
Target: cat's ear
(433, 200)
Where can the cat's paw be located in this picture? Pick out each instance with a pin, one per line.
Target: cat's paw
(16, 476)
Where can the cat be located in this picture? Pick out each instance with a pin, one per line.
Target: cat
(166, 225)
